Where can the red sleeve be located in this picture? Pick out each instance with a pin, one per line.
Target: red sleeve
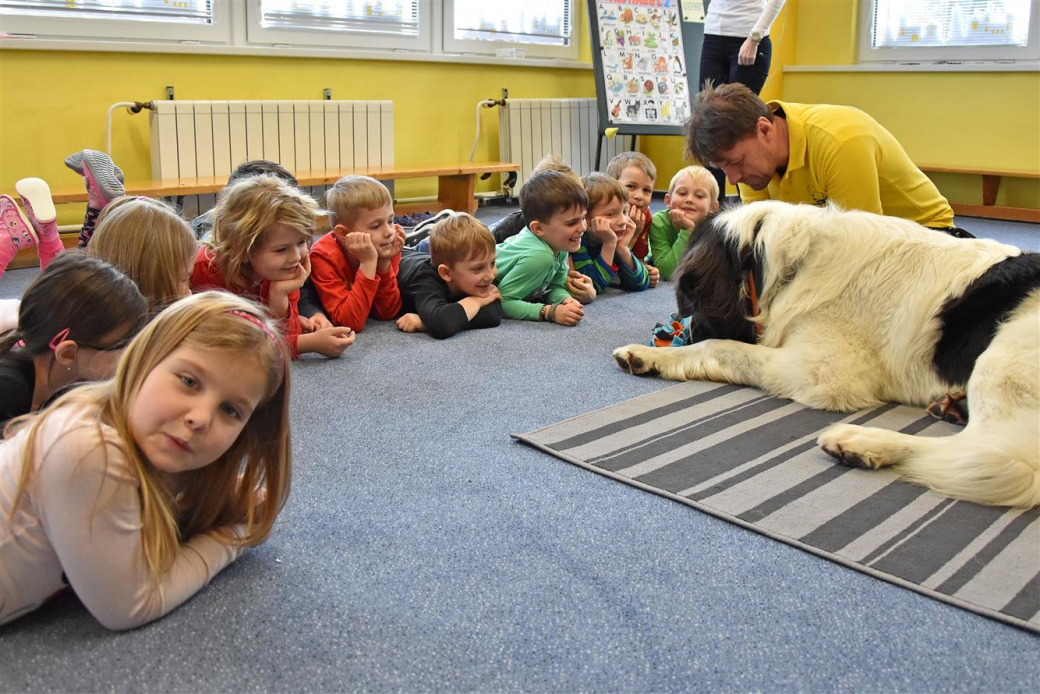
(290, 325)
(388, 297)
(347, 297)
(205, 274)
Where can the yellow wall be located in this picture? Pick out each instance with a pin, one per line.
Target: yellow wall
(53, 103)
(969, 119)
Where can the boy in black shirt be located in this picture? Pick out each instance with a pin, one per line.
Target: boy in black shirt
(452, 288)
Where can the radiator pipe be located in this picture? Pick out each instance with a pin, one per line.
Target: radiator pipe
(131, 107)
(486, 103)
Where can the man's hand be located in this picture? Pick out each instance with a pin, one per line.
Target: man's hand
(681, 219)
(655, 275)
(580, 287)
(568, 312)
(411, 323)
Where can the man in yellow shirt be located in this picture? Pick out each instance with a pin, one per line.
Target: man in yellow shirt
(811, 153)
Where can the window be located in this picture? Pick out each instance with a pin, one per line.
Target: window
(512, 28)
(184, 20)
(394, 24)
(949, 30)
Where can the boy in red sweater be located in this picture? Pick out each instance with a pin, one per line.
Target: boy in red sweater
(637, 174)
(354, 266)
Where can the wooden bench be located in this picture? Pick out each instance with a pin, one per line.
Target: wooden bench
(456, 184)
(990, 185)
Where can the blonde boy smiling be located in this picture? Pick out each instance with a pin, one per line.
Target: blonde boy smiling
(692, 194)
(532, 266)
(451, 289)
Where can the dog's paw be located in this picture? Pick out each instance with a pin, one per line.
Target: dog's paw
(952, 407)
(635, 359)
(855, 446)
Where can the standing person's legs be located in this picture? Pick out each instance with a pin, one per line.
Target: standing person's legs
(718, 60)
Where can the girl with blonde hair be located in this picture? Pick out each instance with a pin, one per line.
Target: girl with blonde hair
(150, 243)
(262, 231)
(138, 490)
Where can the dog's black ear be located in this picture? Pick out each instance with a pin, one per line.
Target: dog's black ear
(709, 278)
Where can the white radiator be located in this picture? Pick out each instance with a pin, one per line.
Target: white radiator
(529, 129)
(192, 139)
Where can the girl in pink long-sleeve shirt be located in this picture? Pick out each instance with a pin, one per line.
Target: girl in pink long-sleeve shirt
(138, 490)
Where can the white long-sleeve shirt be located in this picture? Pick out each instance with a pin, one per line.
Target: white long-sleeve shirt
(83, 517)
(741, 17)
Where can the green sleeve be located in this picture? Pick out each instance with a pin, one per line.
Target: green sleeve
(558, 288)
(667, 244)
(520, 281)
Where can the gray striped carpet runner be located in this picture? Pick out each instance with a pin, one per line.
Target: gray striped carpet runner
(752, 459)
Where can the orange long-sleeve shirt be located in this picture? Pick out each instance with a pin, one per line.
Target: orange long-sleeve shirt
(350, 297)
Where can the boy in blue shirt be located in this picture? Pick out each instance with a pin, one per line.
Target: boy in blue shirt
(605, 256)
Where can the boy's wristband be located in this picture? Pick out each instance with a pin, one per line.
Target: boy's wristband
(552, 313)
(543, 312)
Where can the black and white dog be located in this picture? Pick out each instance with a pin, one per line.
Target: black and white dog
(852, 310)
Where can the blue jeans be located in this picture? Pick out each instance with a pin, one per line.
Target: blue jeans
(719, 64)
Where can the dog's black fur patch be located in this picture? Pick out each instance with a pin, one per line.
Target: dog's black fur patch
(708, 286)
(970, 320)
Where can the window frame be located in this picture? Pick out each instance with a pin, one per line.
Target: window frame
(257, 35)
(452, 45)
(96, 29)
(868, 55)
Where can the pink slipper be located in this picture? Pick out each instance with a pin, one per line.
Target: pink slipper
(15, 232)
(39, 207)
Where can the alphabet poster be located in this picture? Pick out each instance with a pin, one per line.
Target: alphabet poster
(644, 66)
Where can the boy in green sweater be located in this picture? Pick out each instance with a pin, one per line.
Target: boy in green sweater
(692, 194)
(532, 266)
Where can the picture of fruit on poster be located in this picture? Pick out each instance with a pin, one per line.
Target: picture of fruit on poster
(644, 67)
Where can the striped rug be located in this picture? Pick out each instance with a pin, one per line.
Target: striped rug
(752, 459)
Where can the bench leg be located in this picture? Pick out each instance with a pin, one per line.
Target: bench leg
(456, 192)
(990, 186)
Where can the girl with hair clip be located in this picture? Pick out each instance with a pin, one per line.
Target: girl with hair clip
(73, 322)
(262, 231)
(138, 490)
(150, 243)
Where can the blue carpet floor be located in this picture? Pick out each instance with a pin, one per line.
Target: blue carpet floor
(424, 550)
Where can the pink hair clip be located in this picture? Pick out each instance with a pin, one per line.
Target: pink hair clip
(267, 331)
(58, 339)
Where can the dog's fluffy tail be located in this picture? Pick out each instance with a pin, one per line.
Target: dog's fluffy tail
(1000, 466)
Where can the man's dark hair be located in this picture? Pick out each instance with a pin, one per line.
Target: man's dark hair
(257, 167)
(720, 117)
(546, 193)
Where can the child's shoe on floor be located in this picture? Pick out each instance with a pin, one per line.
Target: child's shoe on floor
(39, 207)
(15, 232)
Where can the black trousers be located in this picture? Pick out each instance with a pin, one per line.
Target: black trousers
(719, 64)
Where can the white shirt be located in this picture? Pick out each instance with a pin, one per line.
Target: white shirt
(82, 517)
(741, 17)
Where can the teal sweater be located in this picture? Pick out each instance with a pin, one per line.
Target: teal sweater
(530, 275)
